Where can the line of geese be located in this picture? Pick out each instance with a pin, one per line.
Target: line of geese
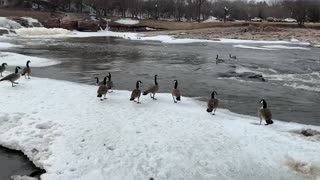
(106, 86)
(212, 105)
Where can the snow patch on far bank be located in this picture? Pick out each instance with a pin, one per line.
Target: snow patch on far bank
(127, 21)
(285, 47)
(14, 59)
(42, 32)
(252, 47)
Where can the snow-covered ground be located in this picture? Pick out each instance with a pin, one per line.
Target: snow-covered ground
(15, 59)
(63, 128)
(211, 19)
(127, 21)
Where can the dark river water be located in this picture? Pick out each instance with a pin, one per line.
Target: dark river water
(291, 86)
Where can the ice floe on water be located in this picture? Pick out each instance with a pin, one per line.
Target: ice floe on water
(285, 47)
(252, 47)
(63, 128)
(14, 59)
(42, 32)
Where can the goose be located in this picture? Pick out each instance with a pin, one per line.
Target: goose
(109, 83)
(232, 57)
(12, 77)
(97, 81)
(213, 103)
(103, 90)
(136, 93)
(265, 113)
(27, 70)
(176, 95)
(219, 60)
(3, 68)
(153, 89)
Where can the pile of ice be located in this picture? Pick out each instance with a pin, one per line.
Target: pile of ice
(14, 59)
(9, 24)
(42, 32)
(63, 128)
(127, 21)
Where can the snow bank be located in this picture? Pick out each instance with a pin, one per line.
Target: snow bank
(127, 21)
(63, 128)
(14, 59)
(211, 19)
(252, 47)
(42, 32)
(9, 24)
(285, 47)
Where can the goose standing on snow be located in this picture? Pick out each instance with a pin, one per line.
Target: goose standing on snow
(176, 95)
(219, 60)
(27, 70)
(103, 90)
(265, 113)
(109, 83)
(12, 77)
(213, 103)
(153, 89)
(136, 93)
(3, 68)
(232, 57)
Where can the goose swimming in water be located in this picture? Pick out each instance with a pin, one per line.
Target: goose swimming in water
(265, 113)
(136, 93)
(219, 60)
(27, 70)
(12, 77)
(3, 68)
(213, 103)
(153, 89)
(232, 57)
(176, 95)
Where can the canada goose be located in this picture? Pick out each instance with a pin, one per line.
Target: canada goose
(265, 113)
(213, 103)
(176, 95)
(153, 89)
(232, 57)
(109, 83)
(3, 68)
(136, 93)
(219, 60)
(103, 90)
(27, 70)
(12, 77)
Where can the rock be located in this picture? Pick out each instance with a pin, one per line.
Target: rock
(90, 26)
(21, 21)
(251, 28)
(68, 24)
(36, 24)
(103, 24)
(52, 23)
(310, 132)
(3, 31)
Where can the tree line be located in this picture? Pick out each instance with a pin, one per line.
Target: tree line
(188, 10)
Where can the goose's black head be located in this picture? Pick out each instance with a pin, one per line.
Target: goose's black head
(217, 57)
(105, 80)
(109, 77)
(264, 103)
(17, 69)
(138, 83)
(175, 84)
(4, 64)
(97, 79)
(213, 94)
(155, 79)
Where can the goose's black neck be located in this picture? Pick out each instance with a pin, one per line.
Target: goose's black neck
(27, 63)
(217, 57)
(17, 70)
(3, 64)
(213, 94)
(176, 85)
(264, 105)
(105, 81)
(137, 84)
(109, 77)
(97, 79)
(155, 80)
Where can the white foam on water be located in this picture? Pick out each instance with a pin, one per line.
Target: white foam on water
(42, 32)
